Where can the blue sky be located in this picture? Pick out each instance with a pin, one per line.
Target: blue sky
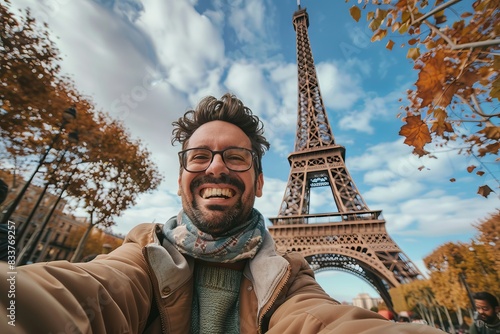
(146, 62)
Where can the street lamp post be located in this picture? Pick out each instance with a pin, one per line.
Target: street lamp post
(68, 115)
(73, 138)
(461, 276)
(29, 250)
(35, 238)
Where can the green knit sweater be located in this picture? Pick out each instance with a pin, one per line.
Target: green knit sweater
(215, 300)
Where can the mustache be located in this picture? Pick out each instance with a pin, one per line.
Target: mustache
(225, 179)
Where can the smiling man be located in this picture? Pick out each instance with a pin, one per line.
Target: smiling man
(213, 268)
(487, 308)
(218, 185)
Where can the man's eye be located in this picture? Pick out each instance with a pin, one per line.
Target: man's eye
(199, 157)
(236, 157)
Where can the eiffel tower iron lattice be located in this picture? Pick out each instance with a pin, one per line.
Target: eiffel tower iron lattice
(353, 239)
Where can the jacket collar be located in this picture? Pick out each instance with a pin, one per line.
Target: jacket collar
(171, 269)
(266, 270)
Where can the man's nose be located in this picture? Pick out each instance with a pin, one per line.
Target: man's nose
(217, 166)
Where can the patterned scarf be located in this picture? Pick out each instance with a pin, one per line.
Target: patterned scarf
(242, 242)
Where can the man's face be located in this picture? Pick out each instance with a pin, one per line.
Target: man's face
(218, 199)
(485, 311)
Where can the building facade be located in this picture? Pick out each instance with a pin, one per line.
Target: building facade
(365, 301)
(51, 226)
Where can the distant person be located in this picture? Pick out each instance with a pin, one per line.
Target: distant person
(213, 268)
(487, 319)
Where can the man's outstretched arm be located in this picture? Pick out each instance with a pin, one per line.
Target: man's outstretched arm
(108, 295)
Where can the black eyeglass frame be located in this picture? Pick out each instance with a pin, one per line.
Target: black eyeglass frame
(254, 161)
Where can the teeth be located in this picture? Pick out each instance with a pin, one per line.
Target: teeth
(216, 192)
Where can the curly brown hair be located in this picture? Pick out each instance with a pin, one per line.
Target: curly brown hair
(228, 109)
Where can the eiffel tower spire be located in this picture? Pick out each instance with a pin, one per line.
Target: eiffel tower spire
(314, 139)
(313, 128)
(353, 238)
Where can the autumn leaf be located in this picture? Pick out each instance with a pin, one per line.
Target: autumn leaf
(489, 149)
(389, 44)
(440, 17)
(484, 190)
(403, 28)
(416, 132)
(495, 85)
(375, 24)
(355, 13)
(413, 53)
(458, 68)
(380, 34)
(491, 132)
(431, 79)
(440, 125)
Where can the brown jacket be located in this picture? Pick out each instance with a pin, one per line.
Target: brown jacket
(145, 286)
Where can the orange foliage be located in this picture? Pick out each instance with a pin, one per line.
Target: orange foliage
(105, 169)
(416, 133)
(458, 73)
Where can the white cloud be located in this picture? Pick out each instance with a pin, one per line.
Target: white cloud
(340, 89)
(187, 44)
(272, 195)
(410, 198)
(156, 207)
(437, 214)
(374, 108)
(359, 35)
(393, 191)
(266, 89)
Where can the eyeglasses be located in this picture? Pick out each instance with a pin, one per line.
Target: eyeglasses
(236, 159)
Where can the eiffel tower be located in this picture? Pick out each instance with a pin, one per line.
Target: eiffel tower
(353, 239)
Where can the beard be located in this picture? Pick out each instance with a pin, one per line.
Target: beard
(217, 220)
(489, 319)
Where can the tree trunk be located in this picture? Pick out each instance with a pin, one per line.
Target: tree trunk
(450, 322)
(440, 318)
(81, 245)
(460, 316)
(422, 313)
(430, 303)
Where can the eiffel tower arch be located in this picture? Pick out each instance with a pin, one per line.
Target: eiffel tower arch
(354, 238)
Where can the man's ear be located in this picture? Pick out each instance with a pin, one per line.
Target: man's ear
(259, 185)
(179, 186)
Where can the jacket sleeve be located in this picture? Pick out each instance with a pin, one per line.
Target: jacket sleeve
(111, 294)
(308, 309)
